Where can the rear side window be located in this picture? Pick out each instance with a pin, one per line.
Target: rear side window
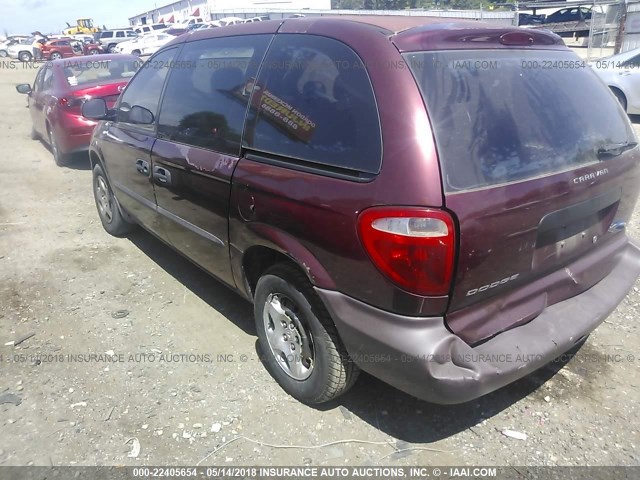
(106, 35)
(47, 82)
(206, 98)
(119, 34)
(505, 116)
(314, 102)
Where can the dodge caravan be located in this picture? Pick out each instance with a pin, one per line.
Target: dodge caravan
(440, 204)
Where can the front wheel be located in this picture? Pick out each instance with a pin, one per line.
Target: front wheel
(300, 343)
(93, 52)
(112, 48)
(55, 56)
(25, 57)
(108, 209)
(137, 53)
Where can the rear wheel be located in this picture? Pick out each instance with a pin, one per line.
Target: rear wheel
(93, 52)
(55, 56)
(34, 134)
(136, 53)
(25, 56)
(621, 98)
(60, 158)
(108, 209)
(112, 48)
(3, 53)
(300, 343)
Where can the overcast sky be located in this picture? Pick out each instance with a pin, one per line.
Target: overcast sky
(49, 16)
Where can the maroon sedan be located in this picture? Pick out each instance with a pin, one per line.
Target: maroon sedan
(60, 88)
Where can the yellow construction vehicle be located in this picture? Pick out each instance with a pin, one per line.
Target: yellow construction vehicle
(83, 25)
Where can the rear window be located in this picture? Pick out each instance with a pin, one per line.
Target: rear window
(80, 72)
(501, 117)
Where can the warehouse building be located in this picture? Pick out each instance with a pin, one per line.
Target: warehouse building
(213, 9)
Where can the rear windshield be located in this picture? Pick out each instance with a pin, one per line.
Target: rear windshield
(505, 116)
(78, 72)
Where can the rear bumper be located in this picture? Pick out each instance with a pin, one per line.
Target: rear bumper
(73, 132)
(421, 357)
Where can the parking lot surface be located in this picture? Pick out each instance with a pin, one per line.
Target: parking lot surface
(133, 346)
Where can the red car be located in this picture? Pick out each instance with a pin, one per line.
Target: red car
(60, 88)
(67, 47)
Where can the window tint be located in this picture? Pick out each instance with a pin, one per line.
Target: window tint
(314, 102)
(131, 34)
(207, 94)
(499, 119)
(145, 88)
(106, 35)
(120, 34)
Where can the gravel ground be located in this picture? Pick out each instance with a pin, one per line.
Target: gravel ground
(132, 300)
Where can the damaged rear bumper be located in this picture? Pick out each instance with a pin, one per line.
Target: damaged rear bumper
(423, 358)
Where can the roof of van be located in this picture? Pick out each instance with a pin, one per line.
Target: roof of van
(395, 23)
(407, 32)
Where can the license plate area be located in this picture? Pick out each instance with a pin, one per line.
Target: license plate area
(571, 231)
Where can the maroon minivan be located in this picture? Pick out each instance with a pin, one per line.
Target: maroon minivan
(440, 204)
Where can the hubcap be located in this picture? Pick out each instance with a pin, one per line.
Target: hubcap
(104, 199)
(289, 341)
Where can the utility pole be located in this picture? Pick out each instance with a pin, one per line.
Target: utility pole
(621, 25)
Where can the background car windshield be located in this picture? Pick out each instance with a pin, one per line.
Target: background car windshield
(81, 72)
(501, 116)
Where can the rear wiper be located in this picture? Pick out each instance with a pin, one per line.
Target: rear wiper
(611, 150)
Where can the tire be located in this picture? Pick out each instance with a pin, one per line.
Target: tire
(108, 209)
(137, 53)
(60, 158)
(34, 135)
(621, 98)
(112, 48)
(3, 54)
(55, 56)
(25, 57)
(319, 368)
(94, 52)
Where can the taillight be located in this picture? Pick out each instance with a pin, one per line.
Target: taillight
(70, 102)
(413, 247)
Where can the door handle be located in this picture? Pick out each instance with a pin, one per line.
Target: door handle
(142, 166)
(162, 175)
